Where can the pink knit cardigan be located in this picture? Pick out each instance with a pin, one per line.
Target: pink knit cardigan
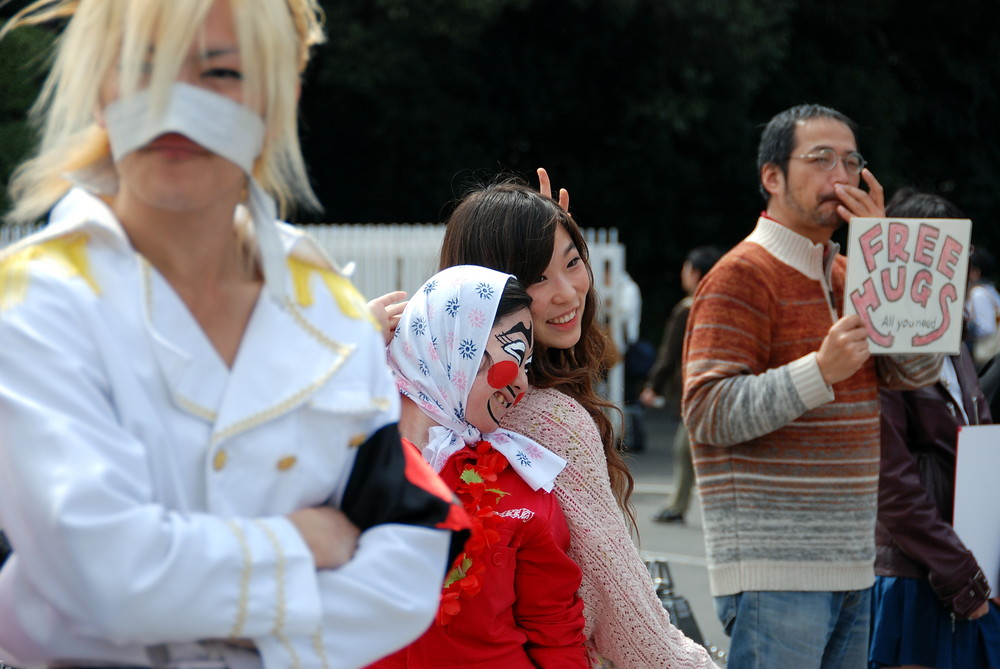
(626, 625)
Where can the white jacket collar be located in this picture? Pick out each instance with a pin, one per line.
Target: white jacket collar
(82, 210)
(288, 352)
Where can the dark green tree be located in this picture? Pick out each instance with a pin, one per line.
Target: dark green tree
(639, 106)
(648, 111)
(22, 56)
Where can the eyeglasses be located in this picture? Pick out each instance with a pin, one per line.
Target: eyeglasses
(827, 159)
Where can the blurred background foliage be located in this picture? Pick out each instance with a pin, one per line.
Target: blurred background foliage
(648, 111)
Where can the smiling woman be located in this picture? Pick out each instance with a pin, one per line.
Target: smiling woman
(511, 227)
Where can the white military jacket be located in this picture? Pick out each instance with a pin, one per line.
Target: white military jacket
(144, 484)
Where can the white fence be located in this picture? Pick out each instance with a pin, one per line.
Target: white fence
(388, 257)
(11, 233)
(385, 256)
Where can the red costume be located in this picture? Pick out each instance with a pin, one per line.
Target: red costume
(526, 613)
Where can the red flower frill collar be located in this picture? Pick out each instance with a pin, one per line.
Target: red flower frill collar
(479, 467)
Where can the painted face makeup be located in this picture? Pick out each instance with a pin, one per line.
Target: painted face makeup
(502, 381)
(502, 374)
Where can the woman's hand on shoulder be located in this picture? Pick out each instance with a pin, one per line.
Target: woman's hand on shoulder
(387, 309)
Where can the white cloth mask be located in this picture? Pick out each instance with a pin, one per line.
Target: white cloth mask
(221, 125)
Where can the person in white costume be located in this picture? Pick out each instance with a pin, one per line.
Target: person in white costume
(199, 465)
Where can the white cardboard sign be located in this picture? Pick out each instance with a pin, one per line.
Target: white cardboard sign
(906, 278)
(977, 514)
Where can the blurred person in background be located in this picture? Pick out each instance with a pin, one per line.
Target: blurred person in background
(664, 383)
(982, 307)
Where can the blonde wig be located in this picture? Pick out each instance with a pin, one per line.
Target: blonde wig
(143, 43)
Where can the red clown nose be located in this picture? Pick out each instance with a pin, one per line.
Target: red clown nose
(502, 374)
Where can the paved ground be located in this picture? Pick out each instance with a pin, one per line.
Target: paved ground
(682, 545)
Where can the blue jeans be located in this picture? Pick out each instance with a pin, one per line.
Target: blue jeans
(800, 630)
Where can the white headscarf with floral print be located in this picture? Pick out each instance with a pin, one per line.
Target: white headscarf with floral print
(435, 355)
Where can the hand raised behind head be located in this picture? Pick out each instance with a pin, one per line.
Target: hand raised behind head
(545, 188)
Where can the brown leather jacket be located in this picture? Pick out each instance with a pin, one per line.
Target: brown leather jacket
(914, 537)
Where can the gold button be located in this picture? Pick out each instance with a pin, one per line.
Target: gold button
(219, 461)
(287, 462)
(357, 440)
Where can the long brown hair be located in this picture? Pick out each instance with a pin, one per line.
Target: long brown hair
(510, 227)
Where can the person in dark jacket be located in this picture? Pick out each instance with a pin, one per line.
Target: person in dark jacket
(931, 603)
(664, 385)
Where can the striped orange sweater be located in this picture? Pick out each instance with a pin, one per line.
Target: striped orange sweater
(787, 466)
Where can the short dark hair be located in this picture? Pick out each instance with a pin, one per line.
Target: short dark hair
(513, 299)
(983, 260)
(702, 258)
(778, 138)
(911, 203)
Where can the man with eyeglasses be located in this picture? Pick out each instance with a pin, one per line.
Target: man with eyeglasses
(781, 401)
